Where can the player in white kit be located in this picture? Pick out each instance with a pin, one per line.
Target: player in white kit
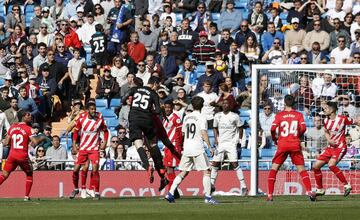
(194, 157)
(228, 132)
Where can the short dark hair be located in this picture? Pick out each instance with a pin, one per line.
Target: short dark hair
(332, 105)
(197, 102)
(154, 79)
(168, 102)
(55, 136)
(138, 81)
(90, 102)
(213, 24)
(4, 88)
(98, 28)
(289, 100)
(42, 44)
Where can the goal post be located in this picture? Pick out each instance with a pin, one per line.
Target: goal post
(284, 79)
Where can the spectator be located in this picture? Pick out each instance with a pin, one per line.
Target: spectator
(210, 99)
(87, 30)
(18, 36)
(100, 17)
(62, 55)
(226, 40)
(315, 56)
(211, 76)
(236, 60)
(128, 61)
(201, 18)
(188, 73)
(180, 84)
(3, 34)
(294, 58)
(213, 34)
(123, 140)
(119, 71)
(57, 71)
(128, 85)
(12, 113)
(124, 113)
(107, 87)
(70, 8)
(136, 49)
(340, 54)
(155, 7)
(76, 70)
(56, 152)
(266, 119)
(176, 48)
(304, 95)
(27, 104)
(243, 33)
(57, 11)
(276, 55)
(155, 25)
(167, 62)
(148, 37)
(36, 20)
(250, 49)
(40, 159)
(315, 136)
(295, 37)
(142, 73)
(304, 59)
(186, 6)
(203, 49)
(354, 132)
(258, 19)
(355, 58)
(355, 46)
(3, 56)
(324, 87)
(317, 35)
(347, 22)
(153, 67)
(168, 13)
(337, 33)
(4, 99)
(337, 12)
(268, 37)
(111, 150)
(14, 18)
(232, 89)
(167, 26)
(225, 94)
(44, 36)
(346, 108)
(311, 7)
(230, 18)
(355, 25)
(324, 24)
(187, 36)
(13, 91)
(295, 13)
(244, 98)
(71, 38)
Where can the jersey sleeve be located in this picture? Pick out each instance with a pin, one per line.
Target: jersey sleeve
(275, 123)
(348, 120)
(156, 100)
(239, 123)
(203, 123)
(302, 124)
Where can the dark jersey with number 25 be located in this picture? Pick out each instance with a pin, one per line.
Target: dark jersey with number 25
(98, 44)
(145, 102)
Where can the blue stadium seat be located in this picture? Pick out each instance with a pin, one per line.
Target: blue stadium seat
(215, 16)
(2, 81)
(200, 69)
(112, 123)
(267, 153)
(115, 103)
(28, 18)
(344, 165)
(211, 132)
(101, 103)
(9, 9)
(275, 80)
(29, 9)
(283, 15)
(263, 166)
(87, 49)
(108, 114)
(2, 9)
(179, 17)
(245, 153)
(244, 166)
(244, 112)
(160, 145)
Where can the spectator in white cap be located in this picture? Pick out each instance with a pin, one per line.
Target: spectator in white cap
(294, 37)
(48, 20)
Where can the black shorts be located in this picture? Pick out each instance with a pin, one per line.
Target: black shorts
(101, 59)
(140, 128)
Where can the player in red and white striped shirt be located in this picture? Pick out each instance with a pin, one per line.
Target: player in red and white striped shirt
(90, 124)
(173, 130)
(335, 126)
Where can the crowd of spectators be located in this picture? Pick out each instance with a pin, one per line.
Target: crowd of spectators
(49, 51)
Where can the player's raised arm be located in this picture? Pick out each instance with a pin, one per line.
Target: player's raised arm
(37, 140)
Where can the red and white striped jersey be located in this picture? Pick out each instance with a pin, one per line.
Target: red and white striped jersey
(173, 129)
(90, 129)
(337, 128)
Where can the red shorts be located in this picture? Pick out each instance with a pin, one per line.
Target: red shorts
(84, 156)
(336, 153)
(169, 159)
(159, 128)
(297, 157)
(12, 163)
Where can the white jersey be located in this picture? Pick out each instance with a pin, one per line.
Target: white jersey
(228, 126)
(192, 126)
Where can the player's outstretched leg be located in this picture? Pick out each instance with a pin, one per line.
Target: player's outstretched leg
(340, 175)
(320, 191)
(240, 176)
(178, 179)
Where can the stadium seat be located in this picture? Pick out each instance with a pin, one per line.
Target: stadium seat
(200, 70)
(112, 123)
(267, 153)
(2, 9)
(2, 81)
(244, 166)
(244, 112)
(87, 49)
(101, 103)
(179, 17)
(241, 4)
(211, 132)
(263, 166)
(108, 114)
(245, 153)
(344, 165)
(283, 15)
(28, 17)
(29, 9)
(115, 103)
(275, 80)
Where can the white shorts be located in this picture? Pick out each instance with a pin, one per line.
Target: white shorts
(200, 162)
(220, 153)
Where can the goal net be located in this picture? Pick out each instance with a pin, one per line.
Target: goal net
(312, 86)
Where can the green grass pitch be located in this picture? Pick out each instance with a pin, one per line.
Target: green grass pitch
(283, 207)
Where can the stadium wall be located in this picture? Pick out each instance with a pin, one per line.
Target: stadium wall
(55, 184)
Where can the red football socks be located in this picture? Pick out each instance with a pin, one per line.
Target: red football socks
(83, 179)
(170, 177)
(339, 174)
(271, 181)
(306, 180)
(28, 185)
(95, 181)
(318, 178)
